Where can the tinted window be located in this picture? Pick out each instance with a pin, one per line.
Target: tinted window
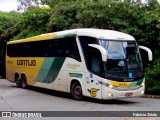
(92, 55)
(63, 47)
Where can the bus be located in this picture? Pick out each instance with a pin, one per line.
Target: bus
(97, 63)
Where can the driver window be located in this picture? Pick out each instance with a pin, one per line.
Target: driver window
(94, 61)
(95, 65)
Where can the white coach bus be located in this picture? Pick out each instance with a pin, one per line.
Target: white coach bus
(102, 64)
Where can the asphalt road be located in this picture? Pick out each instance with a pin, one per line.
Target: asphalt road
(36, 99)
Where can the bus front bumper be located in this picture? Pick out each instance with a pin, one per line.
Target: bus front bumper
(110, 93)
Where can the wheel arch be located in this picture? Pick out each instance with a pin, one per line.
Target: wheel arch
(23, 74)
(73, 81)
(76, 89)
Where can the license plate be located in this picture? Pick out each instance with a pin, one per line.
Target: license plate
(129, 94)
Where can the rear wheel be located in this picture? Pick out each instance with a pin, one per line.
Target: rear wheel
(76, 91)
(24, 82)
(18, 82)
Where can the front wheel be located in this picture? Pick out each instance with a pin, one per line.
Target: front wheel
(76, 91)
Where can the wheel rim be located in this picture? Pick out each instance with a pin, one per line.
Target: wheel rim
(17, 81)
(78, 91)
(23, 84)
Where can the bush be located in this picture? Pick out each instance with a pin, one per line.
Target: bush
(152, 74)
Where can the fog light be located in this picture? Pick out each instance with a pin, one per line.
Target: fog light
(110, 94)
(142, 92)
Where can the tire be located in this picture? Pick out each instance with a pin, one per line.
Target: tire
(18, 82)
(24, 82)
(76, 91)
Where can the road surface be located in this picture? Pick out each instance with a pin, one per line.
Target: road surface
(36, 99)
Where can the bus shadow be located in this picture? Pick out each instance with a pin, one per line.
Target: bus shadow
(85, 99)
(113, 101)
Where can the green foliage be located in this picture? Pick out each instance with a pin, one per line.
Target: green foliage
(7, 20)
(33, 22)
(4, 18)
(152, 74)
(141, 21)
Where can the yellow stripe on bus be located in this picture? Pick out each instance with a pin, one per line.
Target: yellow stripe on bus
(120, 84)
(36, 38)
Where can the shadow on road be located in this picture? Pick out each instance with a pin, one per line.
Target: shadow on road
(86, 99)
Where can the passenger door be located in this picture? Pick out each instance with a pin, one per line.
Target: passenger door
(93, 76)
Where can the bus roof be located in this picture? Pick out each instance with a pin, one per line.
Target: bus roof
(97, 33)
(105, 34)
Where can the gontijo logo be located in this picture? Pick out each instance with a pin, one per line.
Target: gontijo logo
(26, 62)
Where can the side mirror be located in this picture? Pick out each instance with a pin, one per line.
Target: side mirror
(102, 51)
(149, 52)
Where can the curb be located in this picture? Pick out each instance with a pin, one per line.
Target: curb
(151, 96)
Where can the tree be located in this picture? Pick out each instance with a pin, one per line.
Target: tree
(25, 4)
(140, 21)
(33, 22)
(7, 20)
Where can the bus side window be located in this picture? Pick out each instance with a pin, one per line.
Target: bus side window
(58, 48)
(72, 48)
(11, 50)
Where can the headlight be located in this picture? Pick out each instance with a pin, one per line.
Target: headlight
(143, 84)
(142, 92)
(110, 86)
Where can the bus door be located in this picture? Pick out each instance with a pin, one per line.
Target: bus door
(93, 79)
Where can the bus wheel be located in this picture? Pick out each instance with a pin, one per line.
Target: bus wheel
(18, 82)
(76, 91)
(24, 82)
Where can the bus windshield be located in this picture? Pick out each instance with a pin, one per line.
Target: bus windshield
(123, 59)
